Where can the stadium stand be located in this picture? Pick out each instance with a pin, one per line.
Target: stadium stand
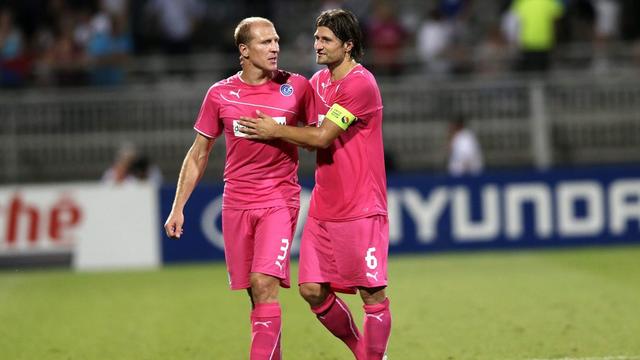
(584, 111)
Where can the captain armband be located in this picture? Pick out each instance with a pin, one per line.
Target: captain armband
(340, 116)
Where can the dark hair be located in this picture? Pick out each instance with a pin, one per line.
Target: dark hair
(242, 33)
(345, 26)
(459, 121)
(140, 167)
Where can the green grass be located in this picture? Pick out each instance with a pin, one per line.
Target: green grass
(493, 306)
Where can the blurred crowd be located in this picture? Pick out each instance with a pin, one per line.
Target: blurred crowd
(58, 42)
(467, 36)
(90, 42)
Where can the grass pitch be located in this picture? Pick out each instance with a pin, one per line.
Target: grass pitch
(564, 304)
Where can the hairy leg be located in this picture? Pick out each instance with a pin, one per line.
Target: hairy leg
(266, 317)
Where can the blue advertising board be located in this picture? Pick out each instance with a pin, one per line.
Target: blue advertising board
(502, 210)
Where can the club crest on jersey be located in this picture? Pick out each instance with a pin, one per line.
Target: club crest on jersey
(286, 90)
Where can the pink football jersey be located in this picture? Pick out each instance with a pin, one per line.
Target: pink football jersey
(257, 174)
(350, 174)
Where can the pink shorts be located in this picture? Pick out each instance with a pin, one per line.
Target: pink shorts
(258, 240)
(345, 254)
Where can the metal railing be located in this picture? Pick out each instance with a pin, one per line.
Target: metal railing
(73, 134)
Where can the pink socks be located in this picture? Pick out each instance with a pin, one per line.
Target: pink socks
(377, 328)
(266, 322)
(334, 314)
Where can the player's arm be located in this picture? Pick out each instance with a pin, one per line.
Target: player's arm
(337, 120)
(193, 167)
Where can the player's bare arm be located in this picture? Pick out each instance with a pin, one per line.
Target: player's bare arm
(265, 128)
(193, 167)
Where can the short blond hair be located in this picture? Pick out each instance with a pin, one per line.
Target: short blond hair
(242, 34)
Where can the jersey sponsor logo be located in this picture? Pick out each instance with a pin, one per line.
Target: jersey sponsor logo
(265, 323)
(235, 93)
(236, 129)
(282, 120)
(286, 90)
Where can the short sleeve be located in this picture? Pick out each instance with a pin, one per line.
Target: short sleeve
(358, 96)
(208, 122)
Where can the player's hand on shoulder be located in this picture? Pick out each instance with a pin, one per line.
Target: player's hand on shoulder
(173, 225)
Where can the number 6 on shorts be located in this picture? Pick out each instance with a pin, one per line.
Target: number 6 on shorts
(371, 260)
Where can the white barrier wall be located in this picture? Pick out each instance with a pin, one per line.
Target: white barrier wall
(101, 227)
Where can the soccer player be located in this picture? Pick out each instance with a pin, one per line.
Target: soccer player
(261, 193)
(346, 237)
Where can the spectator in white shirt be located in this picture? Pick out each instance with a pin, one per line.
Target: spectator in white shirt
(465, 155)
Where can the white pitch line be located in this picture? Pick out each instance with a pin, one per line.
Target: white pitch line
(593, 358)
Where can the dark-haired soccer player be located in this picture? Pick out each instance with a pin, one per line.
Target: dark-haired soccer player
(346, 237)
(261, 193)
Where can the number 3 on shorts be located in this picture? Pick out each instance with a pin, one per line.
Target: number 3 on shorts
(371, 260)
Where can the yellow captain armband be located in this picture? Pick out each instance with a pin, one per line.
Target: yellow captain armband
(340, 116)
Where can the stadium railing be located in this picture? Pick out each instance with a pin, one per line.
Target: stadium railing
(73, 134)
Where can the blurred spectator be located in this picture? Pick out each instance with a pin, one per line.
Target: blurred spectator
(13, 61)
(143, 170)
(607, 19)
(108, 49)
(629, 24)
(509, 25)
(537, 21)
(606, 30)
(465, 154)
(433, 42)
(493, 55)
(130, 167)
(176, 20)
(455, 9)
(88, 20)
(386, 39)
(118, 8)
(577, 25)
(81, 42)
(118, 172)
(63, 62)
(510, 33)
(456, 13)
